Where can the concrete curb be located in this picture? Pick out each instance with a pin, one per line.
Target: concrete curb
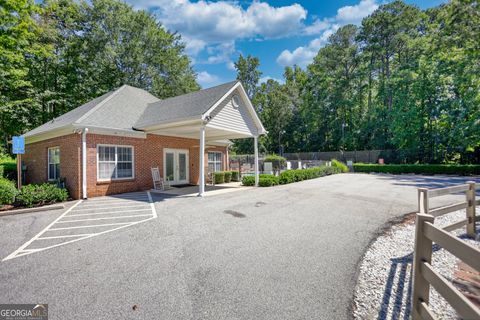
(29, 210)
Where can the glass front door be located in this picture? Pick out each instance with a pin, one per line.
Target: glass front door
(176, 166)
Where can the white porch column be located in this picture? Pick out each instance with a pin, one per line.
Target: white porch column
(84, 163)
(255, 141)
(227, 160)
(201, 180)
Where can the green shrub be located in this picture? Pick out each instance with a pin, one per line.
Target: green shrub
(287, 177)
(7, 191)
(228, 176)
(248, 180)
(267, 180)
(340, 165)
(235, 175)
(290, 176)
(277, 161)
(9, 166)
(1, 171)
(219, 177)
(264, 180)
(40, 194)
(472, 169)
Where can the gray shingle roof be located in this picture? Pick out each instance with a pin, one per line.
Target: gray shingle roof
(182, 107)
(128, 107)
(69, 117)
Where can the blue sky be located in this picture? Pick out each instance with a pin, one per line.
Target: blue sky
(279, 32)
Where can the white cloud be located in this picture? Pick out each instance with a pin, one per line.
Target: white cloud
(206, 79)
(231, 65)
(317, 26)
(203, 24)
(346, 15)
(304, 55)
(355, 14)
(220, 53)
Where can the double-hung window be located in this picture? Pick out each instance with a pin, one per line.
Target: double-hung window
(53, 163)
(215, 162)
(114, 162)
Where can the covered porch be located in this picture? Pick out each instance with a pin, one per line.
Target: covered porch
(208, 139)
(210, 190)
(214, 118)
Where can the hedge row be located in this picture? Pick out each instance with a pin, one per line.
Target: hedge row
(290, 176)
(226, 176)
(31, 195)
(340, 165)
(8, 168)
(264, 180)
(470, 169)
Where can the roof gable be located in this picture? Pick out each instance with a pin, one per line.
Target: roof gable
(235, 118)
(187, 106)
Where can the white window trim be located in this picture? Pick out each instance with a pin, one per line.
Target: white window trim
(48, 162)
(221, 161)
(116, 154)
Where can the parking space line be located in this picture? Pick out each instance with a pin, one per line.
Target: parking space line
(105, 218)
(132, 206)
(79, 207)
(90, 226)
(108, 212)
(66, 236)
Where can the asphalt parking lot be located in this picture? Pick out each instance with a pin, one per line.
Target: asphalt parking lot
(288, 252)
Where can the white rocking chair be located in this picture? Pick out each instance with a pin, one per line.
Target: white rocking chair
(158, 182)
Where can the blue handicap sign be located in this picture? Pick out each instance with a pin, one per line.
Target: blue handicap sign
(18, 145)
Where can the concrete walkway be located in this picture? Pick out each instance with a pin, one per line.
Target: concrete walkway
(287, 252)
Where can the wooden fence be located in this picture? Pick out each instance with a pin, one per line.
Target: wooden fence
(425, 233)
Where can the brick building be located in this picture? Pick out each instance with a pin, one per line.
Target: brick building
(110, 144)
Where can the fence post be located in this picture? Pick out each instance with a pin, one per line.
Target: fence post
(422, 253)
(470, 194)
(423, 200)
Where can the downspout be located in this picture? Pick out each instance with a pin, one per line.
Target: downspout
(84, 163)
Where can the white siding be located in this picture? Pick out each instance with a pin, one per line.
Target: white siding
(225, 116)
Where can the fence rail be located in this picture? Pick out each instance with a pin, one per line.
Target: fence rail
(424, 275)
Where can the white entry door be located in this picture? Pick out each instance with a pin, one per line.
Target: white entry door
(175, 166)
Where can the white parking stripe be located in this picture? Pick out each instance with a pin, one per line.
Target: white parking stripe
(132, 206)
(91, 226)
(137, 201)
(108, 212)
(105, 218)
(66, 236)
(26, 244)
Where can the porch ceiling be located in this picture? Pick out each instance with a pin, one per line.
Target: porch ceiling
(192, 131)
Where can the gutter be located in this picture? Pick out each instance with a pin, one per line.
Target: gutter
(84, 163)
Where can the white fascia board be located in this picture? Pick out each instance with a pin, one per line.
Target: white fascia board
(62, 131)
(196, 121)
(111, 131)
(220, 143)
(232, 132)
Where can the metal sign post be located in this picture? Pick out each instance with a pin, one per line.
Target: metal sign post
(19, 149)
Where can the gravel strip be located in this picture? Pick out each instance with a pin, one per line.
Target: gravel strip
(384, 281)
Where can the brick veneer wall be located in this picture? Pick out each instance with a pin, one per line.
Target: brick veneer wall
(36, 159)
(148, 153)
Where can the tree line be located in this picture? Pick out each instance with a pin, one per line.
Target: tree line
(59, 54)
(405, 79)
